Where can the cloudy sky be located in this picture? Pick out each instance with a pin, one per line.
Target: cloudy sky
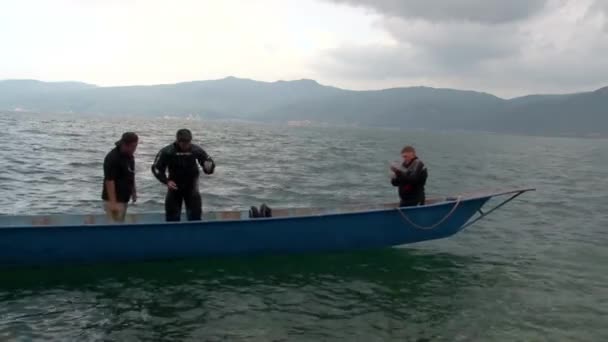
(506, 47)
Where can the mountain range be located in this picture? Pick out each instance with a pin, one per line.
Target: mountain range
(578, 114)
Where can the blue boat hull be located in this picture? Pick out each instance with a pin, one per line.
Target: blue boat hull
(103, 243)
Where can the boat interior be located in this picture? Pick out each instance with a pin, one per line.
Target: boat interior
(143, 218)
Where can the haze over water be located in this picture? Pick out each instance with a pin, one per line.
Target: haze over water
(534, 270)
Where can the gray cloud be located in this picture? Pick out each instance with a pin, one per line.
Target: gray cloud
(458, 44)
(559, 49)
(425, 50)
(602, 7)
(482, 11)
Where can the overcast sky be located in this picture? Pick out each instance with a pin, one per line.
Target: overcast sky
(506, 47)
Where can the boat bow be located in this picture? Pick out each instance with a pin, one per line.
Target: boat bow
(506, 195)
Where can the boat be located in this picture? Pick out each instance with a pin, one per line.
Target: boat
(90, 239)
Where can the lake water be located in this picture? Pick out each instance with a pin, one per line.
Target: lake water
(536, 270)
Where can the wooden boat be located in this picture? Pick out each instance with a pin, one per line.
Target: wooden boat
(77, 239)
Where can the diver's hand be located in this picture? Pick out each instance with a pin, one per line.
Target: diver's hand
(208, 166)
(171, 185)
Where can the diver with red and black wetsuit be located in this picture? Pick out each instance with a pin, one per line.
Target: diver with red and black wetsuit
(410, 178)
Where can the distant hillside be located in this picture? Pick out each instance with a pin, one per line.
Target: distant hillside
(229, 97)
(417, 107)
(583, 114)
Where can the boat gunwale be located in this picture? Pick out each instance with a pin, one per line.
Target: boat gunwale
(446, 200)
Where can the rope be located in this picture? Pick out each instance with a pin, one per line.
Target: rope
(407, 219)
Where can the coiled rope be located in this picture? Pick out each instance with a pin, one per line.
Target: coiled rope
(436, 224)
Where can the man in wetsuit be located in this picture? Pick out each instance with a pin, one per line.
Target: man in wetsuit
(119, 177)
(410, 177)
(182, 158)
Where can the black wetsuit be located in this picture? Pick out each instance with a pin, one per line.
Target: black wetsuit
(184, 171)
(411, 183)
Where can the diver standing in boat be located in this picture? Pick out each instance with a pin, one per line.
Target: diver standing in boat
(410, 177)
(182, 158)
(119, 177)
